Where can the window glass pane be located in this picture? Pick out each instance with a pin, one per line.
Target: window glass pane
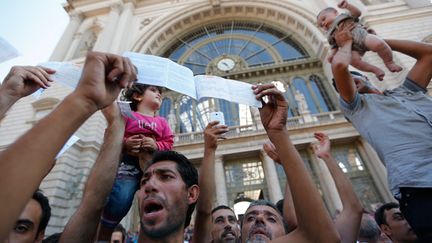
(245, 177)
(352, 165)
(301, 86)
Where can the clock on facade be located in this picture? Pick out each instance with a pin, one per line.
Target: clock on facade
(226, 64)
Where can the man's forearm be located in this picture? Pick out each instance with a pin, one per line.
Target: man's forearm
(348, 223)
(83, 224)
(206, 181)
(346, 192)
(307, 202)
(27, 161)
(6, 102)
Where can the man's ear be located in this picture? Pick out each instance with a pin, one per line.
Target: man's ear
(193, 193)
(386, 229)
(40, 237)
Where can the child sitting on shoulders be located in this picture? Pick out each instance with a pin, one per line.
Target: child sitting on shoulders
(145, 133)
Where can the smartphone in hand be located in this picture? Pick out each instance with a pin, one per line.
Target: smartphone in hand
(217, 116)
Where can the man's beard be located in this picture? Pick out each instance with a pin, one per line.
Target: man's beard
(173, 223)
(258, 238)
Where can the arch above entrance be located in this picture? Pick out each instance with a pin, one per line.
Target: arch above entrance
(284, 16)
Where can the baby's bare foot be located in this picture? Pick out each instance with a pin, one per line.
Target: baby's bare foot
(393, 67)
(379, 74)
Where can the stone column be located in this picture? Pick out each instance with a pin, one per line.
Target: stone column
(271, 178)
(74, 45)
(103, 42)
(257, 118)
(328, 186)
(65, 42)
(376, 168)
(121, 29)
(221, 191)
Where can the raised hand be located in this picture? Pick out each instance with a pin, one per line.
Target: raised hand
(322, 148)
(25, 80)
(212, 133)
(274, 113)
(270, 150)
(343, 34)
(104, 75)
(343, 4)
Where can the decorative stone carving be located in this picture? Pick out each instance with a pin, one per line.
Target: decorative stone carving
(145, 22)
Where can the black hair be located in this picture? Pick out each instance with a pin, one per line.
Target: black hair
(222, 207)
(54, 238)
(380, 212)
(46, 209)
(121, 229)
(269, 204)
(355, 73)
(186, 169)
(137, 88)
(279, 205)
(369, 229)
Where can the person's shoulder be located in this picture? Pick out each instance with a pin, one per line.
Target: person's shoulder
(350, 107)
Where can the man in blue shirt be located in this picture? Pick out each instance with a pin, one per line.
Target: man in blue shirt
(397, 123)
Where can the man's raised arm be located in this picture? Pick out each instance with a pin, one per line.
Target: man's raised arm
(83, 225)
(314, 223)
(27, 161)
(206, 181)
(348, 222)
(289, 213)
(341, 61)
(22, 81)
(421, 72)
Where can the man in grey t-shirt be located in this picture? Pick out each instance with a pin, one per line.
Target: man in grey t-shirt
(397, 123)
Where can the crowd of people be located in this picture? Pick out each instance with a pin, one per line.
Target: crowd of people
(136, 157)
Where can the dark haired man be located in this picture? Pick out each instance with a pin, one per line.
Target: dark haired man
(398, 125)
(225, 227)
(118, 235)
(391, 221)
(31, 224)
(262, 221)
(168, 194)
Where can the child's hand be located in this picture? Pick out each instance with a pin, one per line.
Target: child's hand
(148, 144)
(133, 144)
(343, 4)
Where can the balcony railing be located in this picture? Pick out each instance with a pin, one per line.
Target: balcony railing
(246, 130)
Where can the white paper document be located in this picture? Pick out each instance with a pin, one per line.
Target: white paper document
(7, 51)
(66, 73)
(163, 72)
(159, 71)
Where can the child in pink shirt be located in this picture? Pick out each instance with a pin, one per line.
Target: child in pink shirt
(145, 133)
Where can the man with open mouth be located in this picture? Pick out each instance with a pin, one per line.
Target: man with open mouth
(168, 194)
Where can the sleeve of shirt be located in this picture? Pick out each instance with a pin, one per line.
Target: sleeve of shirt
(349, 108)
(167, 139)
(413, 86)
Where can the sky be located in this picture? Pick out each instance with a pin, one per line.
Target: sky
(33, 27)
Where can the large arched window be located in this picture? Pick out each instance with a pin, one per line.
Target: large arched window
(233, 45)
(238, 47)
